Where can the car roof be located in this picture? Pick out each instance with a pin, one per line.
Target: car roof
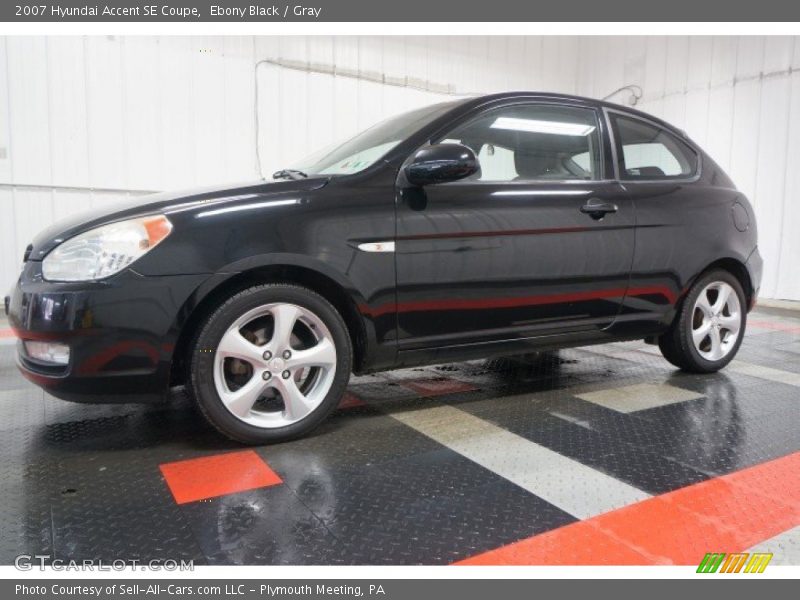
(476, 101)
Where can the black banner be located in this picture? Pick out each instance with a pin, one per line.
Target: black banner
(404, 11)
(376, 589)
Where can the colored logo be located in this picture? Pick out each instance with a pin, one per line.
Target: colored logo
(741, 562)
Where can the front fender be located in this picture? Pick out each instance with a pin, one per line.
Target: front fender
(364, 311)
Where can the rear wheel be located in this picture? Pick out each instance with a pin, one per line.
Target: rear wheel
(708, 330)
(270, 363)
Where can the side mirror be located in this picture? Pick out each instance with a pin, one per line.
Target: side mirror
(441, 163)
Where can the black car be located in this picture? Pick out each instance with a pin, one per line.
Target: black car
(490, 226)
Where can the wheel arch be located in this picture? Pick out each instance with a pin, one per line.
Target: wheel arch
(733, 265)
(197, 309)
(736, 268)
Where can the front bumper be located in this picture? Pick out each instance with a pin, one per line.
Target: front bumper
(121, 333)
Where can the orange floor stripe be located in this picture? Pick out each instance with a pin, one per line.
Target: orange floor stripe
(212, 476)
(576, 544)
(773, 325)
(350, 400)
(441, 386)
(6, 333)
(726, 514)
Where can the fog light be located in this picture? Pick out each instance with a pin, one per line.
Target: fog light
(47, 352)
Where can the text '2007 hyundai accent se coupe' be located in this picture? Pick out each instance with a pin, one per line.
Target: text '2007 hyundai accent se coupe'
(489, 226)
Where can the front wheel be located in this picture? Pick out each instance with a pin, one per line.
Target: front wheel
(270, 363)
(709, 327)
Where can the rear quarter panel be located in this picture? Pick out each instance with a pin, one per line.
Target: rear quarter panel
(682, 228)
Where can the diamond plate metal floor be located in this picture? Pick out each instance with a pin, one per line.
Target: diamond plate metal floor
(427, 466)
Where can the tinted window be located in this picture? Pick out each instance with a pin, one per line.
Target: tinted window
(533, 143)
(649, 152)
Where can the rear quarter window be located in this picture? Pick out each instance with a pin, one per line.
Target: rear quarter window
(646, 151)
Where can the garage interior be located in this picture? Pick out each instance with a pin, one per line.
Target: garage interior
(592, 456)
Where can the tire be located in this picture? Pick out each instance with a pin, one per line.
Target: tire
(691, 343)
(241, 374)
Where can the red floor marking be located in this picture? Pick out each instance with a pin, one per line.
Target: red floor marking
(350, 400)
(212, 476)
(772, 325)
(7, 333)
(563, 546)
(437, 387)
(726, 514)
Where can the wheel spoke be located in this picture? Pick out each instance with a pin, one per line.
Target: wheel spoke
(716, 344)
(242, 400)
(699, 334)
(284, 317)
(704, 305)
(234, 345)
(323, 354)
(722, 298)
(731, 323)
(295, 403)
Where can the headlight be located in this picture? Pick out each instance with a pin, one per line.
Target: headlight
(106, 250)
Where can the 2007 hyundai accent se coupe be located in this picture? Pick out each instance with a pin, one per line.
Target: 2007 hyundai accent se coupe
(489, 226)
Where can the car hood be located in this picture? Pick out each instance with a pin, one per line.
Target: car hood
(164, 202)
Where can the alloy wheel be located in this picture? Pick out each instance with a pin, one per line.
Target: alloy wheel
(274, 365)
(716, 321)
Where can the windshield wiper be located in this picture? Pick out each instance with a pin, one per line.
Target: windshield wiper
(289, 174)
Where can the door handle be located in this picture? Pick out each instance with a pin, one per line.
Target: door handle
(598, 209)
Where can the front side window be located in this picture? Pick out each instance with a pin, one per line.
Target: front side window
(536, 142)
(650, 152)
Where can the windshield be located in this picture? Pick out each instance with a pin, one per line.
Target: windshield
(369, 146)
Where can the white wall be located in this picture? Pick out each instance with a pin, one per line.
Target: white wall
(86, 120)
(739, 98)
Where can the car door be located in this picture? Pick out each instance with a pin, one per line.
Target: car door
(538, 242)
(674, 216)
